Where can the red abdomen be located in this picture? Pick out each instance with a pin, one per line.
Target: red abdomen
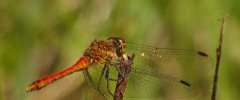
(81, 64)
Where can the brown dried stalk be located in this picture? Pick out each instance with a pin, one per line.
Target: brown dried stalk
(122, 80)
(218, 57)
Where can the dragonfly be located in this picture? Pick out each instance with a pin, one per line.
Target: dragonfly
(176, 70)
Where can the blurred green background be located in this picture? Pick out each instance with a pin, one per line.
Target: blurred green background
(39, 37)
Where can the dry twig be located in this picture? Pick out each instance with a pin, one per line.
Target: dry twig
(218, 57)
(122, 81)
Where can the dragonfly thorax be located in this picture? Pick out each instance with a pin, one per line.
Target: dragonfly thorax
(102, 50)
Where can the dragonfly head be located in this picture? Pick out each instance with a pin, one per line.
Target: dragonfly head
(119, 44)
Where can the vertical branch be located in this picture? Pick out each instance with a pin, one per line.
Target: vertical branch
(122, 81)
(218, 57)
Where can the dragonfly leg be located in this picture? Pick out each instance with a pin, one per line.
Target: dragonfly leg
(108, 78)
(117, 63)
(99, 82)
(119, 71)
(88, 78)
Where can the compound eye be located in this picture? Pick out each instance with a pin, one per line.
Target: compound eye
(119, 45)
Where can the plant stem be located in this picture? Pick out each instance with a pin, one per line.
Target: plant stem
(122, 80)
(218, 58)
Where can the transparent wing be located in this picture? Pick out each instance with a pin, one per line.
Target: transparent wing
(168, 73)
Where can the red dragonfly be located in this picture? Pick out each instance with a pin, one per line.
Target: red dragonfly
(153, 66)
(99, 52)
